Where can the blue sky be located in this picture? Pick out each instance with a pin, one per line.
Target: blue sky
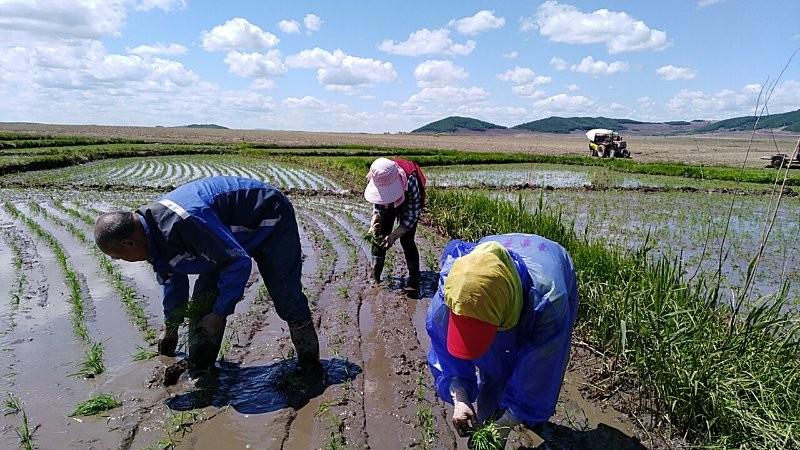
(390, 66)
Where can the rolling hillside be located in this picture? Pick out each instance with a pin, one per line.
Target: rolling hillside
(567, 124)
(457, 123)
(789, 121)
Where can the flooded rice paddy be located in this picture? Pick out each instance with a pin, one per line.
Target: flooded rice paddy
(373, 338)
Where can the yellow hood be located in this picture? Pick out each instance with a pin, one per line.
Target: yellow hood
(485, 285)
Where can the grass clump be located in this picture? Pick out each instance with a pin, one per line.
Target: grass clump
(718, 381)
(97, 404)
(93, 364)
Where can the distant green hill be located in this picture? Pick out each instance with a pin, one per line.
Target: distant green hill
(205, 125)
(456, 123)
(789, 121)
(567, 124)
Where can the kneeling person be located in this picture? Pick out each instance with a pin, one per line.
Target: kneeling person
(214, 227)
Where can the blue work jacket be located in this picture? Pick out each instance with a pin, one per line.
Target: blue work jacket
(212, 225)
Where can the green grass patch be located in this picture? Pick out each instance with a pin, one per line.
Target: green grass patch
(722, 383)
(97, 404)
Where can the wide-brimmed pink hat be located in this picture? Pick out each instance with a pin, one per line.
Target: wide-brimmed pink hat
(387, 183)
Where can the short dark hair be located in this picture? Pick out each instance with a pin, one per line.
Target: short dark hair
(112, 227)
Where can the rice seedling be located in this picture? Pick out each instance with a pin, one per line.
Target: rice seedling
(97, 404)
(337, 440)
(25, 433)
(93, 364)
(425, 422)
(488, 436)
(12, 404)
(143, 354)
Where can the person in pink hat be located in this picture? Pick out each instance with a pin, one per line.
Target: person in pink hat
(396, 189)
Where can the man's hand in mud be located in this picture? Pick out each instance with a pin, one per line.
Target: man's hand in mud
(212, 323)
(168, 341)
(463, 418)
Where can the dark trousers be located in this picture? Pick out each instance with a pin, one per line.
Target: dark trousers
(387, 219)
(280, 264)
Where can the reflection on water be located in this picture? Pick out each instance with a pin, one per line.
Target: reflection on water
(261, 389)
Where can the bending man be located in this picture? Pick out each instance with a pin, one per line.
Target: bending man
(505, 306)
(214, 227)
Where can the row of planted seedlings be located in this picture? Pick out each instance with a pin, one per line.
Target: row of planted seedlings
(335, 311)
(352, 218)
(126, 293)
(93, 363)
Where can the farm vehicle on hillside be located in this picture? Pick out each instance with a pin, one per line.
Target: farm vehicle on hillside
(607, 144)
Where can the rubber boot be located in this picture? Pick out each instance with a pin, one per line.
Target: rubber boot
(168, 341)
(306, 345)
(203, 347)
(412, 285)
(377, 268)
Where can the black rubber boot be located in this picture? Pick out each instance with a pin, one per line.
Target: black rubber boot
(168, 341)
(306, 345)
(203, 348)
(377, 268)
(412, 285)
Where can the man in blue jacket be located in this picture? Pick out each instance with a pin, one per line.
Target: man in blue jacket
(506, 307)
(214, 227)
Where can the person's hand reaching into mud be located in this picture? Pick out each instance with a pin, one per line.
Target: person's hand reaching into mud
(463, 418)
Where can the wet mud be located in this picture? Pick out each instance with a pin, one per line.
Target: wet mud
(377, 391)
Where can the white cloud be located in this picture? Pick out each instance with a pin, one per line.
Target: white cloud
(527, 24)
(255, 65)
(528, 91)
(165, 5)
(289, 26)
(523, 75)
(62, 19)
(312, 103)
(262, 84)
(427, 42)
(728, 103)
(312, 22)
(572, 87)
(590, 66)
(525, 81)
(619, 31)
(338, 70)
(671, 73)
(434, 73)
(511, 55)
(704, 3)
(158, 49)
(558, 63)
(484, 20)
(448, 95)
(238, 34)
(563, 103)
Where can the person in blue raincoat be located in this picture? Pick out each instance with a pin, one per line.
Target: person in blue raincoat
(500, 325)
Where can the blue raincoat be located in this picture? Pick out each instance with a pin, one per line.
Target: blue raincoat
(524, 368)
